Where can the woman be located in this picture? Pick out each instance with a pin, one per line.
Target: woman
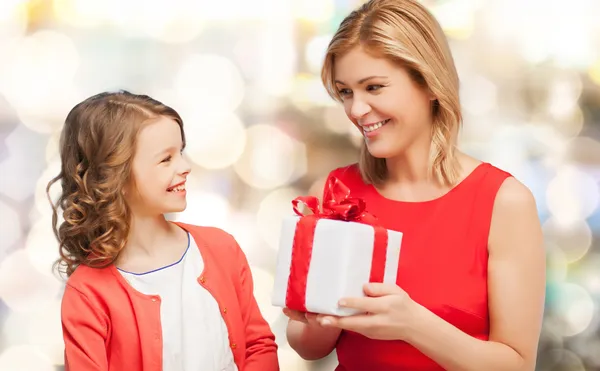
(471, 277)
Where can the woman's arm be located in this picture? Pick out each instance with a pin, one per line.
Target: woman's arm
(516, 286)
(308, 338)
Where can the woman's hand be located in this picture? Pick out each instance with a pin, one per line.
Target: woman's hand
(387, 313)
(305, 317)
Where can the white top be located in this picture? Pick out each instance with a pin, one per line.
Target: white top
(194, 334)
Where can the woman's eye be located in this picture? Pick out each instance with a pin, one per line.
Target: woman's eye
(344, 92)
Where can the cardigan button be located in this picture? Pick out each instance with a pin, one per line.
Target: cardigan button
(224, 310)
(233, 346)
(202, 279)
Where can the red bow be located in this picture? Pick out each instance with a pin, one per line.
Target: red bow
(338, 205)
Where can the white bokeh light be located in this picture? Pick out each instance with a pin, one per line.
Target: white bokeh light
(22, 287)
(44, 330)
(263, 286)
(10, 227)
(46, 60)
(24, 358)
(208, 83)
(205, 208)
(42, 247)
(271, 158)
(574, 239)
(572, 195)
(271, 211)
(215, 141)
(576, 307)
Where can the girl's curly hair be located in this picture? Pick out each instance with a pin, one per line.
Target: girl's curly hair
(97, 145)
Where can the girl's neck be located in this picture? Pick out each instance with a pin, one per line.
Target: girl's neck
(147, 234)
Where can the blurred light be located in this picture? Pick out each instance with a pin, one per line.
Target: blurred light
(560, 359)
(313, 10)
(572, 195)
(13, 22)
(556, 265)
(44, 330)
(571, 125)
(22, 147)
(309, 91)
(356, 138)
(176, 21)
(41, 199)
(289, 360)
(10, 227)
(271, 211)
(13, 329)
(278, 56)
(315, 52)
(47, 61)
(317, 188)
(583, 150)
(456, 17)
(209, 84)
(263, 285)
(207, 209)
(337, 121)
(216, 141)
(594, 72)
(242, 226)
(53, 146)
(22, 287)
(42, 247)
(271, 158)
(478, 95)
(574, 239)
(576, 308)
(82, 13)
(546, 29)
(24, 358)
(563, 96)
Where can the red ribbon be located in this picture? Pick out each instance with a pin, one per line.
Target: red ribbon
(337, 205)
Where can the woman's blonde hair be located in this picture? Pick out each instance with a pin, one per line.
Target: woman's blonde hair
(97, 145)
(406, 33)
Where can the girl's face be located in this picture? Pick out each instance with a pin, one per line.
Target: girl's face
(159, 170)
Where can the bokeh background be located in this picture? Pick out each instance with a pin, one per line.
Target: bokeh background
(245, 77)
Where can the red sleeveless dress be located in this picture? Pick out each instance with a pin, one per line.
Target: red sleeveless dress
(443, 263)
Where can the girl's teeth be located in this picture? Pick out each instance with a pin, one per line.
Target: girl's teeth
(178, 189)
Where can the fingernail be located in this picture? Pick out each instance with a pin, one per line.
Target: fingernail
(325, 322)
(342, 303)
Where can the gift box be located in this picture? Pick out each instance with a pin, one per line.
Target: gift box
(331, 253)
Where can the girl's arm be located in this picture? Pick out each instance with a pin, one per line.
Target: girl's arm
(261, 349)
(85, 330)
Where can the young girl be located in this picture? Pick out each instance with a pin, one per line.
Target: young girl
(144, 293)
(470, 287)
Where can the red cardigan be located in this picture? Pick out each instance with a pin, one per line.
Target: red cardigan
(108, 325)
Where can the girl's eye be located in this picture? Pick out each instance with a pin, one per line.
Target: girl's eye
(166, 159)
(374, 87)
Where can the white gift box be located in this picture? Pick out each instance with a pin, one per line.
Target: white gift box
(340, 263)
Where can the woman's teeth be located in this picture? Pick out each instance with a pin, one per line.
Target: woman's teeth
(376, 126)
